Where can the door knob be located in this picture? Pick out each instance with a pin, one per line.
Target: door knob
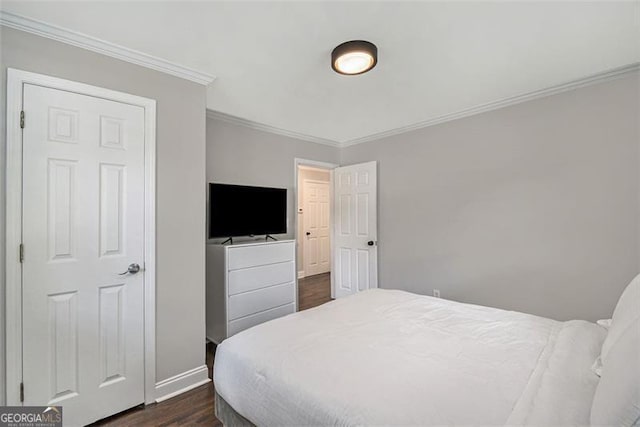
(132, 269)
(308, 233)
(371, 243)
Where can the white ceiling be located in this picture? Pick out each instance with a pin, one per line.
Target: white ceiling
(272, 59)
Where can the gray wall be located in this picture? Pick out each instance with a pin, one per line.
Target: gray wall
(240, 155)
(533, 207)
(180, 327)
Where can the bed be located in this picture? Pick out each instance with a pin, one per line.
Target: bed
(388, 357)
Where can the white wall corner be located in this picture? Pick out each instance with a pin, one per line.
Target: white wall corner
(238, 121)
(178, 384)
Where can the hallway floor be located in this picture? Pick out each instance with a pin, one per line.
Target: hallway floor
(314, 291)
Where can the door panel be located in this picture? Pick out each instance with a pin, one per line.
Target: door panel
(61, 205)
(111, 321)
(344, 272)
(355, 245)
(63, 321)
(83, 224)
(317, 220)
(112, 187)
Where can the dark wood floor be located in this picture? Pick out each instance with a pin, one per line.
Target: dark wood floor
(193, 408)
(314, 291)
(196, 407)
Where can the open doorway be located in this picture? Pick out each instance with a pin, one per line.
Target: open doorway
(314, 225)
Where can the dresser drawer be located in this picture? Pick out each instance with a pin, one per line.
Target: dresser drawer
(251, 256)
(236, 326)
(249, 279)
(262, 299)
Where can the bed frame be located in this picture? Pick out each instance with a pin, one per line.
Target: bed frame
(228, 416)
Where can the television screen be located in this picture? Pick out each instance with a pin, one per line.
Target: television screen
(239, 210)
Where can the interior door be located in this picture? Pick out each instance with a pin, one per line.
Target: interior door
(83, 226)
(356, 233)
(316, 217)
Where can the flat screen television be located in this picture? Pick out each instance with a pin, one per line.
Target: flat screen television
(240, 210)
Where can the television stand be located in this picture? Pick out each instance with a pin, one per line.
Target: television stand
(266, 239)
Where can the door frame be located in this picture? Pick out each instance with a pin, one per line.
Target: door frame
(304, 245)
(16, 79)
(297, 162)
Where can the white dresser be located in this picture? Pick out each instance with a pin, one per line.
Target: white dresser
(248, 284)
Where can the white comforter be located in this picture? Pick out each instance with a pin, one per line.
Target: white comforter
(385, 357)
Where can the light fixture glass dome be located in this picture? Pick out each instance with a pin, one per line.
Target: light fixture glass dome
(354, 62)
(354, 57)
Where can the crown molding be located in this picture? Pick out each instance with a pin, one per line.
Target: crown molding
(103, 47)
(506, 102)
(211, 114)
(94, 44)
(483, 108)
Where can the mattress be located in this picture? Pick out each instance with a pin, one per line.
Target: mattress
(388, 357)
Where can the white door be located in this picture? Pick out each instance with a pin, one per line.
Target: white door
(83, 225)
(356, 233)
(317, 230)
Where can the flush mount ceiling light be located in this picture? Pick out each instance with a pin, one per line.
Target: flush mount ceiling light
(354, 57)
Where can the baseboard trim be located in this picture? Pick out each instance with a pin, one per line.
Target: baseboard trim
(178, 384)
(301, 275)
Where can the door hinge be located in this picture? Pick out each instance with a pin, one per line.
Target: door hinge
(21, 119)
(21, 249)
(21, 392)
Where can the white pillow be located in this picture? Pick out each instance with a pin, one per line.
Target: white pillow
(626, 312)
(617, 398)
(596, 368)
(605, 323)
